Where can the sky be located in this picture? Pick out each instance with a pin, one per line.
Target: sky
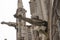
(7, 10)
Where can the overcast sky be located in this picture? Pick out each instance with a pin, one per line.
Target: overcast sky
(7, 10)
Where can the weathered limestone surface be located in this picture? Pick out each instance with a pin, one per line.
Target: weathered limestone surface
(42, 12)
(39, 9)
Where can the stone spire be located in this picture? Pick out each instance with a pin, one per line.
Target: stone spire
(20, 4)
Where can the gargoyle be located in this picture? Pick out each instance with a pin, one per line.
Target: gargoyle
(10, 23)
(36, 22)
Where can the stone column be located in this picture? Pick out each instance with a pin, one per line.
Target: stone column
(29, 32)
(21, 23)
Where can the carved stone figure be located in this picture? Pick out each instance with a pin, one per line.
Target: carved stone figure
(37, 22)
(10, 23)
